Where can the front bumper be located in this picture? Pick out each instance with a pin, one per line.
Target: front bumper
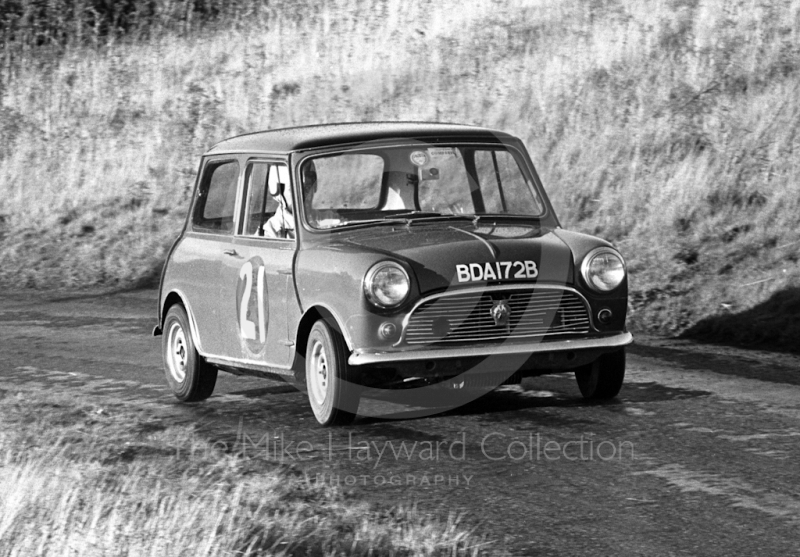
(361, 357)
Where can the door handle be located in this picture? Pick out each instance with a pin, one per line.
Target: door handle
(232, 252)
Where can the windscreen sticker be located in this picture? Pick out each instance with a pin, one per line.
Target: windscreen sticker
(441, 153)
(498, 270)
(419, 158)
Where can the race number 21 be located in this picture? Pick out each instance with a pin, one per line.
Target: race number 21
(250, 330)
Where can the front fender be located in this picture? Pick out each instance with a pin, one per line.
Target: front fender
(331, 280)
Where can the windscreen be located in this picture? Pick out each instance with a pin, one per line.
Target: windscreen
(417, 182)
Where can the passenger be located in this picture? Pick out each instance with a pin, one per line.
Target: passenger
(282, 223)
(401, 191)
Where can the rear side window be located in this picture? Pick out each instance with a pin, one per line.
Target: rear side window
(217, 197)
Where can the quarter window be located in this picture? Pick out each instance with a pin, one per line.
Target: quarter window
(217, 197)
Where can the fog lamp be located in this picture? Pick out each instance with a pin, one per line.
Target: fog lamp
(387, 330)
(604, 316)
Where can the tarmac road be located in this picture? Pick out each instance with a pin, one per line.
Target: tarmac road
(700, 455)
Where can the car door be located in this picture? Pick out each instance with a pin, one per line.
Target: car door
(257, 281)
(209, 236)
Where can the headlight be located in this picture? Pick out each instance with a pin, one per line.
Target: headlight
(386, 284)
(603, 269)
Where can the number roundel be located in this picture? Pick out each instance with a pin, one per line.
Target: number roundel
(252, 307)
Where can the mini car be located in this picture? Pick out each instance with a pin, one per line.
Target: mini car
(390, 256)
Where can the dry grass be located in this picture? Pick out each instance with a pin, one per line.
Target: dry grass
(670, 128)
(80, 476)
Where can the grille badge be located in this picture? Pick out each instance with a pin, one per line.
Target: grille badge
(501, 312)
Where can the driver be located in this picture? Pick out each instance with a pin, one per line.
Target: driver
(281, 224)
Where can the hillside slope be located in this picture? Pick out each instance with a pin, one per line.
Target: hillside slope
(671, 130)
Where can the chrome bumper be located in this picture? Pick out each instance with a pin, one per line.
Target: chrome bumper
(361, 357)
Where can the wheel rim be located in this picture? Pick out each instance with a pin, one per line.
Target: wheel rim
(319, 373)
(177, 353)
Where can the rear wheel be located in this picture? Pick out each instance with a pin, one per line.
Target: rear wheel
(333, 395)
(189, 376)
(602, 379)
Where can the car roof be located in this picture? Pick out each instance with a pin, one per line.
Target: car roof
(286, 140)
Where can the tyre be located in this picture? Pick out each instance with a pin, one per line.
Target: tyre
(189, 376)
(602, 379)
(332, 393)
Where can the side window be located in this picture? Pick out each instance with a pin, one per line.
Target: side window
(260, 206)
(217, 197)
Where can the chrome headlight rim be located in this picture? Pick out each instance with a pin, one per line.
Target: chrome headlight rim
(587, 263)
(369, 283)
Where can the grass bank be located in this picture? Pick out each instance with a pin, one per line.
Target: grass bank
(86, 476)
(670, 128)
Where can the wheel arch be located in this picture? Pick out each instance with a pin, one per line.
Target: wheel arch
(177, 297)
(311, 316)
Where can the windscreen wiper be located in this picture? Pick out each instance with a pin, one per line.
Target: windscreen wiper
(423, 216)
(489, 216)
(415, 215)
(387, 220)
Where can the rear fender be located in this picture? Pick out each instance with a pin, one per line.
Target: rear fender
(177, 297)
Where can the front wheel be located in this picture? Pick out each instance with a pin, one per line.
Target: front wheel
(602, 379)
(189, 376)
(333, 395)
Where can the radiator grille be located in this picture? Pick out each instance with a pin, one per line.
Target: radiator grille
(469, 317)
